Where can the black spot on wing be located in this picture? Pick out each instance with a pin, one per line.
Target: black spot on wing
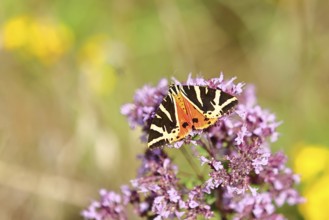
(185, 124)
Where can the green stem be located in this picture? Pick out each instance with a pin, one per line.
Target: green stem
(191, 163)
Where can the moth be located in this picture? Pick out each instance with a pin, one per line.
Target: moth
(187, 108)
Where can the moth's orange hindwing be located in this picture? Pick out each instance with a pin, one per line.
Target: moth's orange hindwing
(199, 121)
(182, 116)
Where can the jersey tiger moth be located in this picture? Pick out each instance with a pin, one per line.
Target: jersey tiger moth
(187, 108)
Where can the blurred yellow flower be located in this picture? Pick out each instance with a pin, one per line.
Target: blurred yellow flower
(311, 160)
(317, 200)
(41, 38)
(312, 163)
(15, 32)
(96, 63)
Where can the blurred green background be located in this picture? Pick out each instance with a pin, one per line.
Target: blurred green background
(66, 67)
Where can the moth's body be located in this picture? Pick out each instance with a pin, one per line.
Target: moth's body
(187, 108)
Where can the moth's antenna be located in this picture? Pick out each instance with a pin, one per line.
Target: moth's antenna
(175, 81)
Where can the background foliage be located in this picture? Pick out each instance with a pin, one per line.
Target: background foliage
(66, 67)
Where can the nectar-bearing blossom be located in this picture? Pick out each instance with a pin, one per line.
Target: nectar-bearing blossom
(109, 207)
(244, 179)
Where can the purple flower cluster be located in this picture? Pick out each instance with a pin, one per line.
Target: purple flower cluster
(158, 188)
(245, 180)
(146, 100)
(109, 207)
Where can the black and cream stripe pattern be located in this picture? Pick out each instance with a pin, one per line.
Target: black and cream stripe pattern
(165, 126)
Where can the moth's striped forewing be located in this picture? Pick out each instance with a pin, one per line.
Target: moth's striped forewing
(186, 108)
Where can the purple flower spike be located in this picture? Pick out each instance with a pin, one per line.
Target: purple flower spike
(109, 207)
(146, 100)
(241, 178)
